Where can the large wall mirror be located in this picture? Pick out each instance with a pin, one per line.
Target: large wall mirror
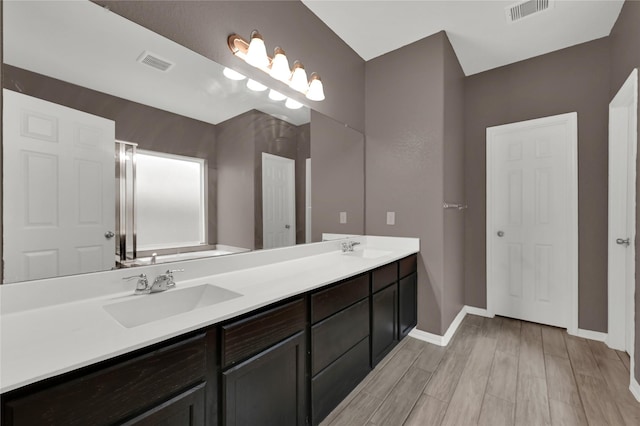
(122, 148)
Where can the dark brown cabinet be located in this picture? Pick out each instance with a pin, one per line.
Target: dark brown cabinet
(339, 343)
(268, 389)
(384, 322)
(290, 363)
(173, 379)
(265, 356)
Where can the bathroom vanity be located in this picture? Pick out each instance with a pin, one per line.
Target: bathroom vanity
(299, 337)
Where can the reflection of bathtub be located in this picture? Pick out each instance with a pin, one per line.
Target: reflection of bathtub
(221, 250)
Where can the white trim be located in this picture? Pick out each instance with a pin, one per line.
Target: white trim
(572, 166)
(591, 335)
(437, 339)
(634, 387)
(444, 340)
(477, 311)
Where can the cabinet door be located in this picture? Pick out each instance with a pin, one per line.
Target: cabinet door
(186, 409)
(384, 322)
(407, 288)
(269, 388)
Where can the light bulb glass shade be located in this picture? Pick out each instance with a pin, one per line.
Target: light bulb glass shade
(280, 66)
(299, 78)
(291, 104)
(276, 96)
(257, 52)
(316, 91)
(232, 74)
(255, 86)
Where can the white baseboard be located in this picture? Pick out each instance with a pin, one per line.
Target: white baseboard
(634, 387)
(436, 339)
(477, 311)
(592, 335)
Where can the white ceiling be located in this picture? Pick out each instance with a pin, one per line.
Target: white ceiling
(81, 43)
(478, 30)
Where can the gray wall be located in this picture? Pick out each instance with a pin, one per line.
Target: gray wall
(203, 26)
(625, 56)
(337, 177)
(572, 79)
(236, 172)
(410, 112)
(241, 141)
(152, 129)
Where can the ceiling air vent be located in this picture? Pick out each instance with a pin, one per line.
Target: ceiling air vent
(525, 9)
(154, 61)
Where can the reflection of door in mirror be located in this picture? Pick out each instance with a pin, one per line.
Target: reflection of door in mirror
(58, 190)
(278, 201)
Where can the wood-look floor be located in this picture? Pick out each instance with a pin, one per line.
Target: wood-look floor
(495, 372)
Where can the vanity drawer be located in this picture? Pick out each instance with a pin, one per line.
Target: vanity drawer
(110, 395)
(332, 337)
(241, 339)
(335, 382)
(384, 276)
(327, 302)
(408, 265)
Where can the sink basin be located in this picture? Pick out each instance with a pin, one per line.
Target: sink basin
(147, 308)
(368, 253)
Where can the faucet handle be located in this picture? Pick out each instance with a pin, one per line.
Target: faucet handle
(142, 287)
(169, 275)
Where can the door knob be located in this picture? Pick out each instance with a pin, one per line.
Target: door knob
(623, 242)
(109, 235)
(287, 226)
(500, 234)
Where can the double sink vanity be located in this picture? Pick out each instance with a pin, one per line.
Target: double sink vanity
(275, 337)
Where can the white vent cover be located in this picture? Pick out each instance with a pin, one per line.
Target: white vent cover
(528, 8)
(154, 61)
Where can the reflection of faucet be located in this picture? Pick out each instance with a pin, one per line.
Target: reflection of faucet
(348, 245)
(154, 257)
(164, 281)
(142, 287)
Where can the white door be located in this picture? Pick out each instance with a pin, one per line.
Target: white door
(532, 219)
(622, 210)
(278, 201)
(58, 190)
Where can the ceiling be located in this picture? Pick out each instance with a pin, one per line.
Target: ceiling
(478, 30)
(81, 43)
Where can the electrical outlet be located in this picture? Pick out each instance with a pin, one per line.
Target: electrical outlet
(391, 218)
(343, 217)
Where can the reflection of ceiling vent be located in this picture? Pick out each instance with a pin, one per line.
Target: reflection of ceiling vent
(155, 61)
(524, 9)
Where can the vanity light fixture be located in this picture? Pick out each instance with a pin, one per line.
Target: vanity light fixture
(276, 96)
(292, 104)
(254, 53)
(233, 74)
(255, 86)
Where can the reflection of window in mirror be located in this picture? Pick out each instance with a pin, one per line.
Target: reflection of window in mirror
(170, 201)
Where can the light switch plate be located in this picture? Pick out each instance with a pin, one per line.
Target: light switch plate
(391, 218)
(343, 217)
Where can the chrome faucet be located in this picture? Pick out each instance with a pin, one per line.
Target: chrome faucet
(154, 258)
(164, 281)
(142, 286)
(348, 245)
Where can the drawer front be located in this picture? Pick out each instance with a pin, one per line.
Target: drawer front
(249, 336)
(408, 265)
(334, 336)
(331, 386)
(327, 302)
(384, 276)
(186, 409)
(109, 395)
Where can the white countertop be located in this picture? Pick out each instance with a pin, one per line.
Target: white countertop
(41, 340)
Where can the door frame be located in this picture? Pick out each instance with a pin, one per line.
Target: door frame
(623, 109)
(572, 203)
(291, 165)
